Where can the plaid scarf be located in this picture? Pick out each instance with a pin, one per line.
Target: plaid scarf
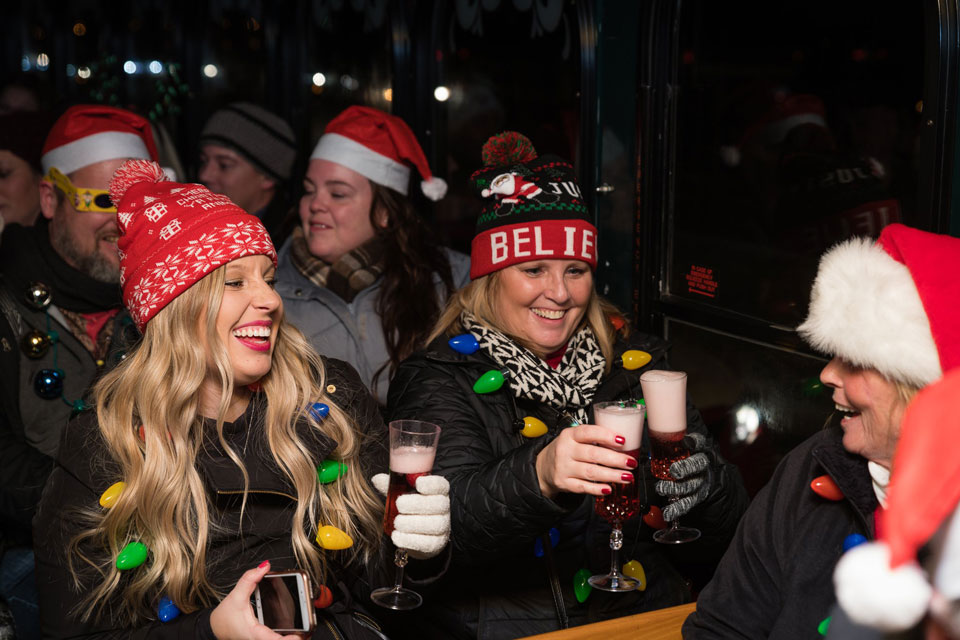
(348, 276)
(570, 387)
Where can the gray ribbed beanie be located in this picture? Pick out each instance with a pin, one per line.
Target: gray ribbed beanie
(263, 138)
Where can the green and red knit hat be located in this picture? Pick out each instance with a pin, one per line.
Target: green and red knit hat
(533, 209)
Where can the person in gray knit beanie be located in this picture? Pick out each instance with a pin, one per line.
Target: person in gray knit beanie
(247, 153)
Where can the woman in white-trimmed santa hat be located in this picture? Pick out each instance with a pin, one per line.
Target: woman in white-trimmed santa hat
(887, 312)
(362, 276)
(884, 585)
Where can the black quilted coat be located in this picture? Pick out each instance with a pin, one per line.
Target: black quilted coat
(496, 586)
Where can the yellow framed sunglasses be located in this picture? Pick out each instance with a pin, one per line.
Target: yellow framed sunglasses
(83, 198)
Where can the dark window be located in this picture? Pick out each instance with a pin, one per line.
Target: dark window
(797, 125)
(505, 69)
(349, 60)
(791, 136)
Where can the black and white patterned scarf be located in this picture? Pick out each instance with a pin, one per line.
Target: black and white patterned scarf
(570, 387)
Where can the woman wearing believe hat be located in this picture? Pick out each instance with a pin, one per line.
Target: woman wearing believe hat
(362, 276)
(207, 442)
(532, 310)
(887, 313)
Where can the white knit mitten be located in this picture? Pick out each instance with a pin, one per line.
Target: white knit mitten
(423, 524)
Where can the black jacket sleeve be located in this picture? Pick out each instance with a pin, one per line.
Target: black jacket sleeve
(78, 478)
(495, 500)
(743, 598)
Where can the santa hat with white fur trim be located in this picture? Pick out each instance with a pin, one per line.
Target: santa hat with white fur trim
(880, 584)
(86, 134)
(890, 305)
(378, 146)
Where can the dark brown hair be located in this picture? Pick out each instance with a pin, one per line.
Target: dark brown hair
(408, 304)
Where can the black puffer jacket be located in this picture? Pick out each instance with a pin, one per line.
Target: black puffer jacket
(496, 586)
(776, 580)
(84, 469)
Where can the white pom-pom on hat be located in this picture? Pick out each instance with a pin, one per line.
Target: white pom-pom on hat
(134, 172)
(434, 188)
(873, 594)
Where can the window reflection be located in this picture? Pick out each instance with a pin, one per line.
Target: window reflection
(349, 60)
(790, 139)
(508, 65)
(758, 402)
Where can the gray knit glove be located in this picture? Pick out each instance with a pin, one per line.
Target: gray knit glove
(693, 477)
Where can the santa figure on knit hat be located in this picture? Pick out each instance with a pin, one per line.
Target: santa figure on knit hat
(380, 147)
(173, 234)
(532, 208)
(892, 306)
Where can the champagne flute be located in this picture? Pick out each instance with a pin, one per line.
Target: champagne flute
(665, 393)
(626, 420)
(413, 446)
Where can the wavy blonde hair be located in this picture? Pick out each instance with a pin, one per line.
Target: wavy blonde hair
(480, 297)
(164, 504)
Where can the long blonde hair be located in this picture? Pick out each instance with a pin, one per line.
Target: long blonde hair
(164, 504)
(480, 296)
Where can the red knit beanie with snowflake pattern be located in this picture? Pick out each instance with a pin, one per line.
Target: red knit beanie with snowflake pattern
(173, 234)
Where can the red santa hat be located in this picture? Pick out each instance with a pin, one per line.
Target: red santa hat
(86, 134)
(890, 305)
(380, 147)
(172, 235)
(880, 584)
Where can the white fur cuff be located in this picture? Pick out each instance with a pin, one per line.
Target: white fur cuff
(865, 308)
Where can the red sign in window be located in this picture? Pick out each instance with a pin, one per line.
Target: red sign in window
(700, 280)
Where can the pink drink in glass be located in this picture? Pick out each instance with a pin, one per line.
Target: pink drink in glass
(406, 465)
(626, 420)
(665, 394)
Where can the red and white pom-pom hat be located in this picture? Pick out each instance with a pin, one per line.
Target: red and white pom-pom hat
(173, 234)
(380, 147)
(880, 584)
(87, 134)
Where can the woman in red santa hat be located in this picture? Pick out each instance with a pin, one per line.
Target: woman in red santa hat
(211, 444)
(362, 276)
(887, 312)
(883, 586)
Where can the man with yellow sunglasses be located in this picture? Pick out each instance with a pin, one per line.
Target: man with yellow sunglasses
(61, 319)
(82, 198)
